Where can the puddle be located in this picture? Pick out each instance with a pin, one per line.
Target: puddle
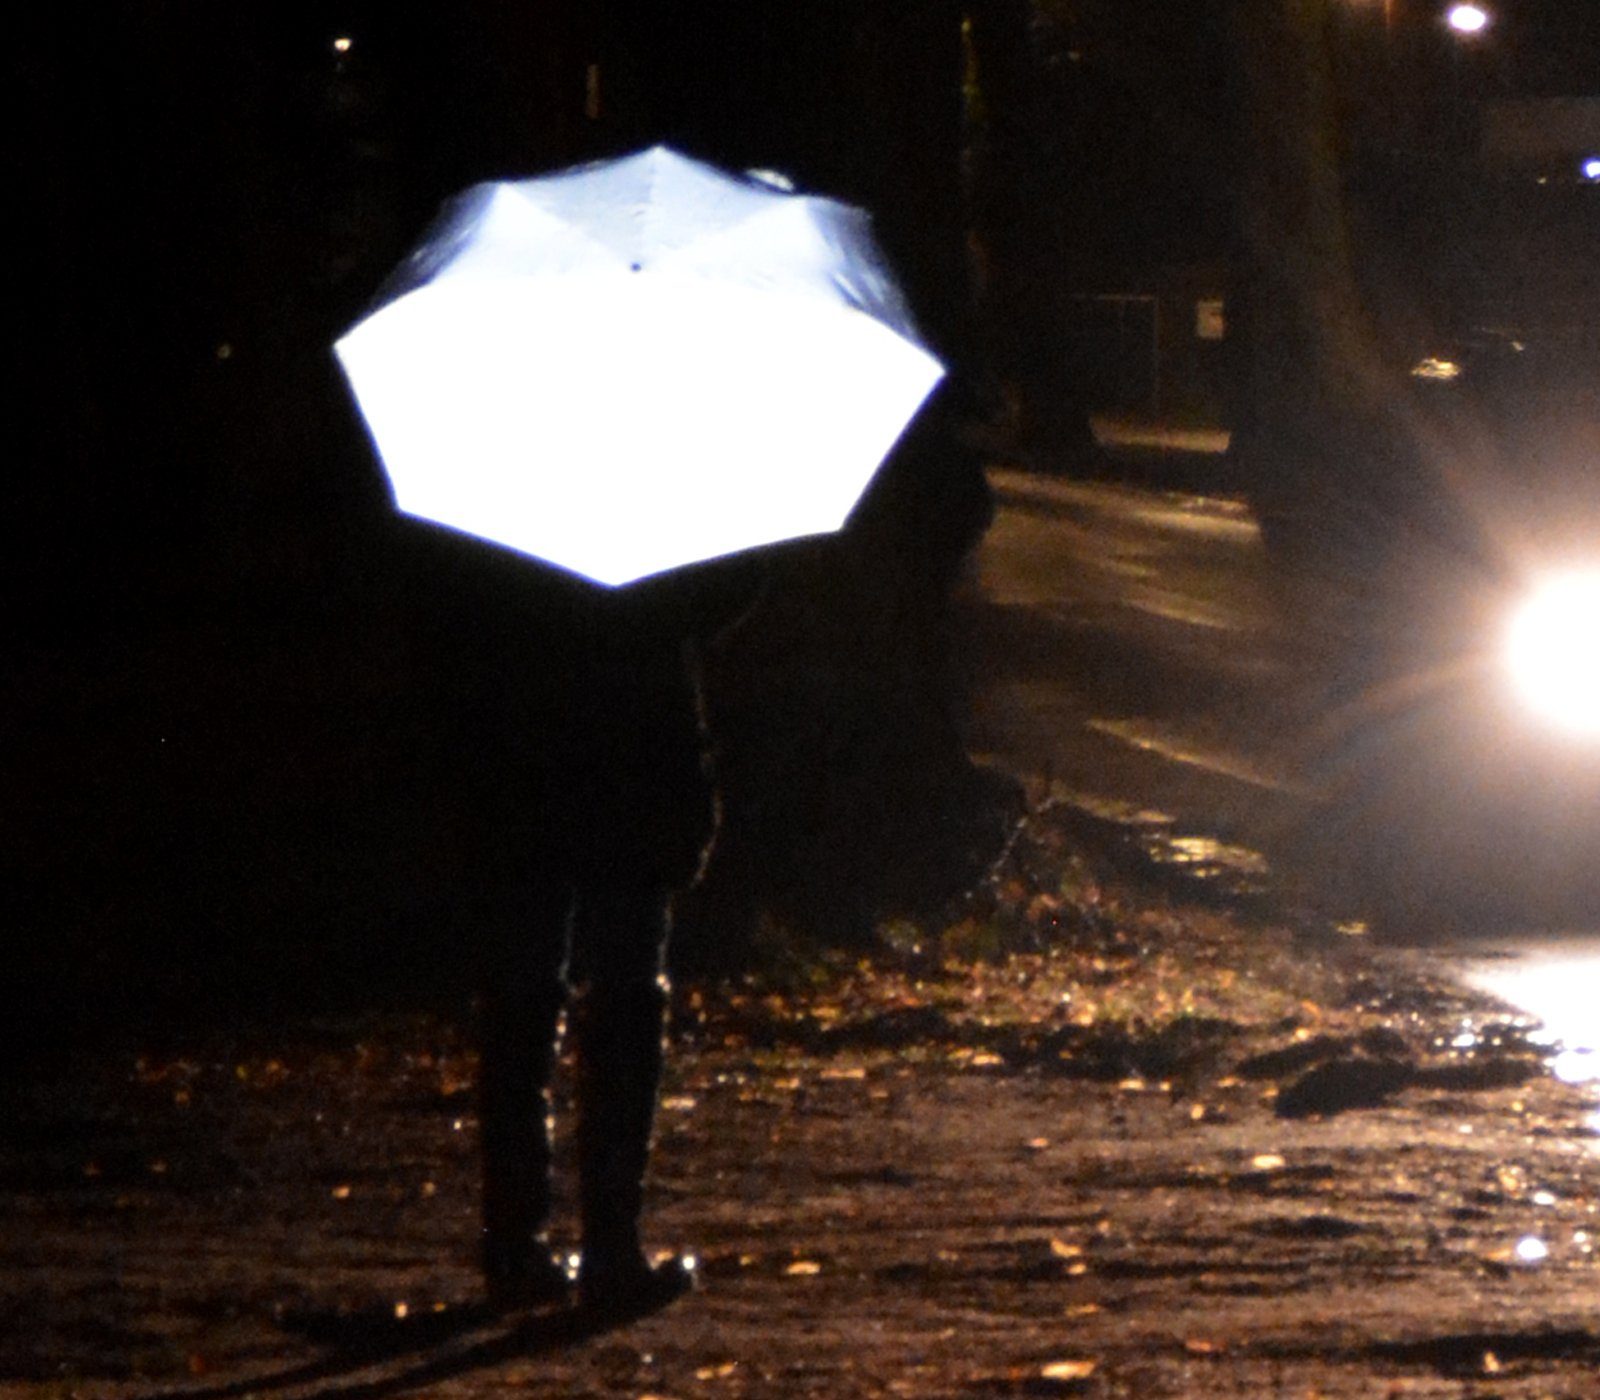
(1554, 978)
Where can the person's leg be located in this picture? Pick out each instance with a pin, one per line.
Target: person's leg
(618, 1018)
(523, 993)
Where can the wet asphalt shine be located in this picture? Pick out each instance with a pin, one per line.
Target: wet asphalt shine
(1133, 658)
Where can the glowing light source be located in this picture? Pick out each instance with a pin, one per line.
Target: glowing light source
(342, 44)
(1589, 168)
(1467, 19)
(1436, 367)
(1554, 651)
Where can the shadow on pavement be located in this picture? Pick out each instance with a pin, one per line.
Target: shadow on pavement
(436, 1346)
(1476, 1353)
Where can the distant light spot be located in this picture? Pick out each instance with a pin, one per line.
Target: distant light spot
(1467, 19)
(1436, 367)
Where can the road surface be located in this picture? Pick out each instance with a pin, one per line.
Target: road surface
(1132, 655)
(1130, 648)
(1140, 1152)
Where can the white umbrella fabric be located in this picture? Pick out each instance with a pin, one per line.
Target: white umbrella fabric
(637, 365)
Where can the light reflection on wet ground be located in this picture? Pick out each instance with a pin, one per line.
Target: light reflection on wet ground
(1156, 677)
(1556, 979)
(1553, 977)
(1155, 738)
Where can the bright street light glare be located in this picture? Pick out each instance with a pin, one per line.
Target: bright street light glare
(1467, 19)
(1554, 652)
(1590, 168)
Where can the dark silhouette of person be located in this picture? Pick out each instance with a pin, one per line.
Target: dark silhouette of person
(572, 789)
(848, 792)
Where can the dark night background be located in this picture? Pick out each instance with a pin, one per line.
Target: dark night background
(206, 705)
(217, 668)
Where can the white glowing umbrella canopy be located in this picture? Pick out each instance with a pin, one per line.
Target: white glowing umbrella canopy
(636, 365)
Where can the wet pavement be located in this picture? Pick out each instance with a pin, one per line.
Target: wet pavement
(1081, 1141)
(1121, 1126)
(1174, 585)
(1135, 656)
(1130, 650)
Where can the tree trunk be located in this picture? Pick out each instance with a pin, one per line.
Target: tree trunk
(1026, 267)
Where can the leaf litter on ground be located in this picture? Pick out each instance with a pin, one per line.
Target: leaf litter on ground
(1056, 964)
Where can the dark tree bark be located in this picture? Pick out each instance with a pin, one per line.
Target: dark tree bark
(1026, 264)
(1334, 297)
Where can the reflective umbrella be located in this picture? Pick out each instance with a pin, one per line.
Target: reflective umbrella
(638, 364)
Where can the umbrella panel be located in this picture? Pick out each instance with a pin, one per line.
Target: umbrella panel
(626, 424)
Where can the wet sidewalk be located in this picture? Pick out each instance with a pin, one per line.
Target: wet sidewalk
(1077, 1141)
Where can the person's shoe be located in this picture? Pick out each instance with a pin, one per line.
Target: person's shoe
(629, 1286)
(534, 1280)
